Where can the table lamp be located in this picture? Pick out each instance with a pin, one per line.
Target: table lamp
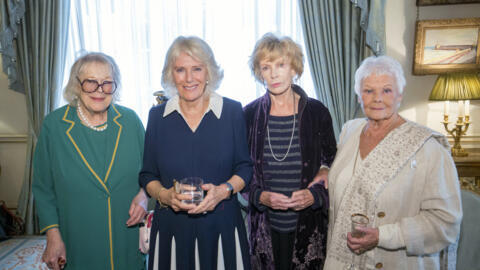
(462, 88)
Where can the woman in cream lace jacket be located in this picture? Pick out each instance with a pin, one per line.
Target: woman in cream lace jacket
(397, 173)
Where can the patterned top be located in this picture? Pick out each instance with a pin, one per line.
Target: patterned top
(282, 176)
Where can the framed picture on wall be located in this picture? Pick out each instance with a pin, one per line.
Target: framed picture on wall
(444, 46)
(445, 2)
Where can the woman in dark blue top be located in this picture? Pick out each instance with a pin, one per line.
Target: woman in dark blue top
(196, 133)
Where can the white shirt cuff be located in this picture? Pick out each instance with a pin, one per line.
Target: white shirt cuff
(324, 167)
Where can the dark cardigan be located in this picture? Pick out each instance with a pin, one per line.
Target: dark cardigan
(318, 147)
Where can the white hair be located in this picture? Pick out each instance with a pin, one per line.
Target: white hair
(73, 88)
(379, 65)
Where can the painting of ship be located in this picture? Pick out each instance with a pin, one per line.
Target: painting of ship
(450, 46)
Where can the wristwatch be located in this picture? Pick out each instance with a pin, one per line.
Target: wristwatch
(229, 189)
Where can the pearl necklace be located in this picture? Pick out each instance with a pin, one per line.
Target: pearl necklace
(291, 138)
(84, 119)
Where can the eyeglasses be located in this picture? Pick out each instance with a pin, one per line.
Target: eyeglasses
(90, 86)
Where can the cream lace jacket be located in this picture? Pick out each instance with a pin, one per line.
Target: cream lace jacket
(408, 187)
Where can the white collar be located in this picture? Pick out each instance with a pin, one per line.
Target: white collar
(215, 104)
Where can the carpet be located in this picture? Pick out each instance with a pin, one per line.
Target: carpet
(22, 253)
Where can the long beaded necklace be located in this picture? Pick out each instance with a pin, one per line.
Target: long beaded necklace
(85, 120)
(291, 138)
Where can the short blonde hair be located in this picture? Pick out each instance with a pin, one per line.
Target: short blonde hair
(198, 49)
(271, 47)
(73, 87)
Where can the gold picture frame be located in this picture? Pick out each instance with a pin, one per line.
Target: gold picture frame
(445, 2)
(445, 46)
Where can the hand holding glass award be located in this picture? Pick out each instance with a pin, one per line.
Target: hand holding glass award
(191, 186)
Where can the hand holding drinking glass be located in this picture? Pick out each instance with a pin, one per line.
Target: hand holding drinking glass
(362, 238)
(359, 222)
(181, 196)
(191, 186)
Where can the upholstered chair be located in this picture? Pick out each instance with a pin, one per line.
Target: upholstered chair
(468, 253)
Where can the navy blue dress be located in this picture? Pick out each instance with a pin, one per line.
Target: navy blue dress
(216, 151)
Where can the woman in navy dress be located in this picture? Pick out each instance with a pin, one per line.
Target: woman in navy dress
(196, 133)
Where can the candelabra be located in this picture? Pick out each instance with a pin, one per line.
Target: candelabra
(460, 129)
(461, 88)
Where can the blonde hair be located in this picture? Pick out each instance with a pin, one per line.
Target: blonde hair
(200, 51)
(271, 47)
(73, 87)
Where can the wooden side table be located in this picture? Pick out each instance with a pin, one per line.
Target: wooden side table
(469, 170)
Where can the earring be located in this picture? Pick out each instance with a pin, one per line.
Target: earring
(207, 82)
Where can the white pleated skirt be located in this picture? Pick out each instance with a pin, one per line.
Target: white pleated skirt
(198, 263)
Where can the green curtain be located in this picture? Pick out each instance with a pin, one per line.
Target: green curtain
(335, 34)
(40, 50)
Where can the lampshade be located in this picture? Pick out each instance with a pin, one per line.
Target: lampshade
(456, 86)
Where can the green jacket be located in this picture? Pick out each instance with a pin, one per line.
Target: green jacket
(84, 182)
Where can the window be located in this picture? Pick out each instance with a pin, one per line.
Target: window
(138, 33)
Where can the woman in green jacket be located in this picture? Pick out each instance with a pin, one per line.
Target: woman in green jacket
(86, 168)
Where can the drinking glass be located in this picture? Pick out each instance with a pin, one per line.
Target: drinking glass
(358, 221)
(191, 186)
